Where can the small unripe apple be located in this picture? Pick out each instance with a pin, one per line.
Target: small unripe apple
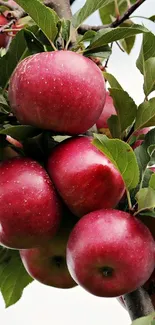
(3, 36)
(47, 264)
(61, 91)
(30, 209)
(108, 110)
(84, 177)
(110, 253)
(137, 133)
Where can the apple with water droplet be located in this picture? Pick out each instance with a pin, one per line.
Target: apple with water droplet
(47, 264)
(62, 91)
(110, 253)
(84, 177)
(30, 208)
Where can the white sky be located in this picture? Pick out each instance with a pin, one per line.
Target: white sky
(42, 305)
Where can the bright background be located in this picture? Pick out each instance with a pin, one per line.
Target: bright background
(42, 305)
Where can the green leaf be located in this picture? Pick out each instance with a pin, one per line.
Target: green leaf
(152, 18)
(109, 35)
(13, 279)
(145, 198)
(89, 8)
(147, 320)
(125, 107)
(147, 50)
(66, 29)
(20, 132)
(44, 17)
(152, 182)
(108, 13)
(114, 126)
(149, 76)
(128, 43)
(33, 44)
(16, 52)
(88, 36)
(145, 114)
(3, 101)
(143, 157)
(112, 80)
(102, 52)
(122, 156)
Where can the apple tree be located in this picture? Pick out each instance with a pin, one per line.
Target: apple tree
(77, 182)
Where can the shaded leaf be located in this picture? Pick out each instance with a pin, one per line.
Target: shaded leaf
(33, 44)
(20, 132)
(125, 107)
(8, 62)
(114, 126)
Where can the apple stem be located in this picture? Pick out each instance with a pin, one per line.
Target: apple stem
(129, 200)
(138, 304)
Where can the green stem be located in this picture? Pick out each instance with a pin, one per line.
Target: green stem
(129, 200)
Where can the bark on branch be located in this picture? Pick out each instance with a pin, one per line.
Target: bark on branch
(138, 304)
(84, 28)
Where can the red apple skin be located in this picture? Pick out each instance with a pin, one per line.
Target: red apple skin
(3, 37)
(30, 209)
(61, 91)
(108, 110)
(111, 239)
(47, 264)
(84, 177)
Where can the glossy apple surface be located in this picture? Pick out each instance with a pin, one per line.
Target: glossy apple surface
(61, 91)
(48, 264)
(30, 209)
(106, 253)
(84, 177)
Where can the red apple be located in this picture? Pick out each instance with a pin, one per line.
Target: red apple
(110, 253)
(61, 91)
(30, 209)
(108, 110)
(47, 264)
(139, 133)
(3, 36)
(84, 176)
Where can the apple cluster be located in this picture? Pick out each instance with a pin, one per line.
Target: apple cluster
(62, 214)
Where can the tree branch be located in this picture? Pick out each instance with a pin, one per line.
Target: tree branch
(84, 28)
(138, 303)
(6, 4)
(62, 7)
